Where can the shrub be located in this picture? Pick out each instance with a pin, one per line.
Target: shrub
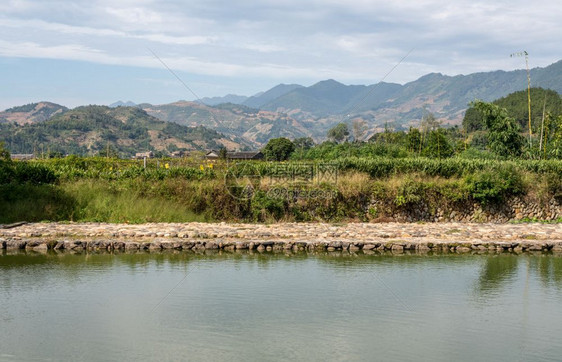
(489, 186)
(33, 173)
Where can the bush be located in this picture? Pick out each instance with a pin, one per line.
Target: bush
(264, 207)
(33, 173)
(410, 192)
(7, 173)
(23, 172)
(489, 186)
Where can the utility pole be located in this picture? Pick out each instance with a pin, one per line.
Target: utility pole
(526, 55)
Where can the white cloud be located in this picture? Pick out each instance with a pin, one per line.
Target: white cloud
(296, 41)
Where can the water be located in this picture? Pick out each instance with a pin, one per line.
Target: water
(276, 307)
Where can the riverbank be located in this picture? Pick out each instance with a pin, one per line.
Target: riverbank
(346, 190)
(396, 237)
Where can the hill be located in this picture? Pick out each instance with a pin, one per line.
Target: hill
(403, 105)
(292, 110)
(262, 98)
(243, 124)
(31, 113)
(517, 105)
(122, 104)
(229, 98)
(90, 130)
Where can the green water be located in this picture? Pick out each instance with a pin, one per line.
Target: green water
(277, 307)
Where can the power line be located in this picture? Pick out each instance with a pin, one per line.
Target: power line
(177, 77)
(358, 103)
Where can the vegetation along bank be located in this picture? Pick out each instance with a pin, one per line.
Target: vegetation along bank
(489, 171)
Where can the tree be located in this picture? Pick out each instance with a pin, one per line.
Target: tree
(4, 153)
(278, 149)
(437, 145)
(303, 143)
(472, 120)
(429, 122)
(339, 132)
(359, 128)
(414, 140)
(553, 142)
(504, 138)
(223, 153)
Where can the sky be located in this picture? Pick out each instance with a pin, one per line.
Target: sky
(100, 51)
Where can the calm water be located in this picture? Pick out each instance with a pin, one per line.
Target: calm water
(243, 307)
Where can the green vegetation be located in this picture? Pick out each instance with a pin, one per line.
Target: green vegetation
(278, 149)
(339, 132)
(113, 190)
(91, 130)
(483, 164)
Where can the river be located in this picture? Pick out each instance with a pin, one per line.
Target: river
(278, 307)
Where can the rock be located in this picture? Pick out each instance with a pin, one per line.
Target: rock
(39, 244)
(74, 245)
(242, 245)
(335, 245)
(167, 245)
(132, 246)
(397, 247)
(186, 245)
(211, 245)
(15, 244)
(155, 245)
(557, 247)
(462, 249)
(422, 247)
(353, 247)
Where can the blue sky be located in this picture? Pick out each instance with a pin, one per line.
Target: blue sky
(97, 51)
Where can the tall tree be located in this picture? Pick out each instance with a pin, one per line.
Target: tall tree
(278, 149)
(303, 143)
(339, 132)
(504, 138)
(437, 145)
(359, 128)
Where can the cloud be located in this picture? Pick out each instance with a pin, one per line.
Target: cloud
(292, 41)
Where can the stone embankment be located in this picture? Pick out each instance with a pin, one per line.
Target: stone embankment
(366, 237)
(512, 209)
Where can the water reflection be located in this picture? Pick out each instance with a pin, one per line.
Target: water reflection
(280, 306)
(496, 272)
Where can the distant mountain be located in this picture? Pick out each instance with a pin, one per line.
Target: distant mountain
(244, 124)
(122, 104)
(402, 105)
(229, 98)
(31, 113)
(262, 98)
(330, 97)
(89, 130)
(286, 110)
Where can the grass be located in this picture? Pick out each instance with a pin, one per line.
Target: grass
(35, 203)
(109, 191)
(99, 202)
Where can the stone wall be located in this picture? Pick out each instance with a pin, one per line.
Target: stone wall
(515, 208)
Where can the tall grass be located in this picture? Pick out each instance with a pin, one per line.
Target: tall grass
(102, 202)
(32, 203)
(103, 190)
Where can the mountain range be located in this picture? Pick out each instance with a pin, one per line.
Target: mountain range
(292, 110)
(447, 97)
(92, 130)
